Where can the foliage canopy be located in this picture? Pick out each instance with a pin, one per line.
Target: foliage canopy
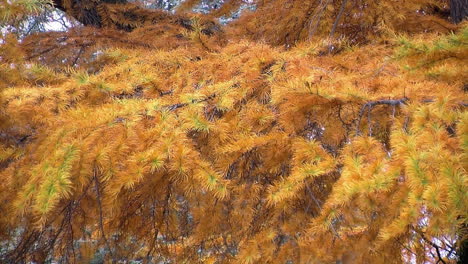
(302, 132)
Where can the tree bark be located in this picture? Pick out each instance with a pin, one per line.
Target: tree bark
(458, 10)
(85, 11)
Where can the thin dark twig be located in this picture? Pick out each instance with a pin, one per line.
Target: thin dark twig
(346, 125)
(335, 24)
(437, 248)
(180, 105)
(369, 121)
(78, 56)
(158, 227)
(320, 207)
(315, 20)
(372, 104)
(101, 225)
(41, 53)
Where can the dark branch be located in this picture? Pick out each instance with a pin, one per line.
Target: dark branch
(434, 245)
(372, 104)
(180, 105)
(101, 224)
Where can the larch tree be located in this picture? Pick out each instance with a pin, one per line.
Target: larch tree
(318, 131)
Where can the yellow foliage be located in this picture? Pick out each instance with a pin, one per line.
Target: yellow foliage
(234, 151)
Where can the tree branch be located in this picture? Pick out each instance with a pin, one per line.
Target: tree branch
(180, 105)
(337, 20)
(372, 104)
(437, 248)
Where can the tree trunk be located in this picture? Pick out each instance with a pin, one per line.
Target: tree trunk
(458, 10)
(85, 11)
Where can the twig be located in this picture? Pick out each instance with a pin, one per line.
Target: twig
(335, 24)
(371, 104)
(437, 248)
(180, 105)
(101, 225)
(380, 69)
(163, 93)
(176, 106)
(165, 211)
(369, 121)
(320, 207)
(317, 18)
(346, 125)
(78, 55)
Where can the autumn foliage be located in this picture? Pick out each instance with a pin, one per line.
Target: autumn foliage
(286, 136)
